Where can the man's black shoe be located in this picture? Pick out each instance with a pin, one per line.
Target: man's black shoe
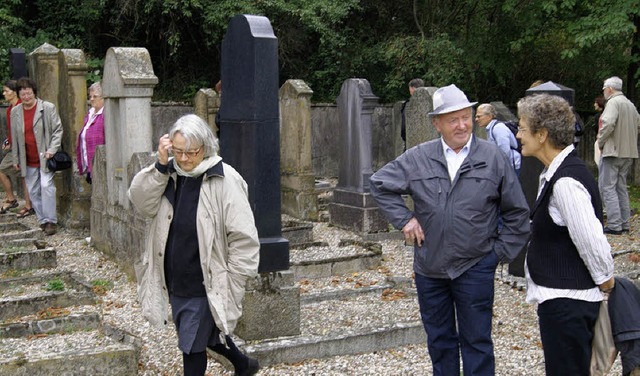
(610, 231)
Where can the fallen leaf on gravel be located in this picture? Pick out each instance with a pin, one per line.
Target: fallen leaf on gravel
(390, 295)
(52, 312)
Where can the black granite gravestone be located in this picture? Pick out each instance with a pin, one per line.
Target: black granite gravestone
(553, 88)
(18, 63)
(250, 127)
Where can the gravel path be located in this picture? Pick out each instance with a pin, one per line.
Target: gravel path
(516, 337)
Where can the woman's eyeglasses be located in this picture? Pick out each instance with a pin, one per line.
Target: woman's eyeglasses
(189, 153)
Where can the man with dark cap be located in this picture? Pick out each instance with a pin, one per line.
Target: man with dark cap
(460, 185)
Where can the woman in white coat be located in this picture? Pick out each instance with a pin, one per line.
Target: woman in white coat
(202, 247)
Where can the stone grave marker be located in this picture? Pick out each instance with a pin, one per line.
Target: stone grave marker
(353, 207)
(250, 142)
(18, 63)
(296, 168)
(418, 123)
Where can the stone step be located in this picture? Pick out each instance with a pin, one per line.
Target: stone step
(51, 321)
(297, 231)
(24, 257)
(23, 296)
(80, 353)
(17, 233)
(318, 260)
(355, 328)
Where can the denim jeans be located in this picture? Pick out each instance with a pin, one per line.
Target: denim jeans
(469, 298)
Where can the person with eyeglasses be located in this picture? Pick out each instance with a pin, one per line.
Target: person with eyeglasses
(92, 133)
(202, 247)
(499, 134)
(618, 143)
(36, 135)
(568, 264)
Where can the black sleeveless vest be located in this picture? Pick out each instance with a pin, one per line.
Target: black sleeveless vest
(552, 258)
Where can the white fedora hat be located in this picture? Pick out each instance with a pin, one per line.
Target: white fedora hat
(449, 99)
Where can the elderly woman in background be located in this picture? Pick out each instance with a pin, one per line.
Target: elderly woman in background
(92, 133)
(202, 247)
(569, 263)
(10, 93)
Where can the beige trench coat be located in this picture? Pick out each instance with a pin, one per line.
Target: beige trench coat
(618, 136)
(227, 238)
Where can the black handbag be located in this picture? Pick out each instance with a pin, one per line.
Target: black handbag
(61, 159)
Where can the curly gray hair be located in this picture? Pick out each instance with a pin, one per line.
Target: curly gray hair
(552, 113)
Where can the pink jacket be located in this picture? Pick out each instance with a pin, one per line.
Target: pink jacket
(93, 138)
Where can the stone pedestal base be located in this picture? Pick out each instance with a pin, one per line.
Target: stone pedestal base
(74, 200)
(271, 307)
(300, 204)
(356, 211)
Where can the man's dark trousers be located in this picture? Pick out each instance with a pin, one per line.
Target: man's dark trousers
(470, 298)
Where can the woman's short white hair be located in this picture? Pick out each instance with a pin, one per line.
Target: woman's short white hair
(196, 132)
(96, 88)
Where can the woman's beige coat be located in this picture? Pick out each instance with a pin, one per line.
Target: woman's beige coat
(227, 238)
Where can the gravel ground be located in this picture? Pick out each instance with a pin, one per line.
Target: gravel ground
(516, 337)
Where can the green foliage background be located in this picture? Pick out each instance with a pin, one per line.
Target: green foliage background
(492, 49)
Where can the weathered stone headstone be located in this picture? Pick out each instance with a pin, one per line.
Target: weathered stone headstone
(418, 123)
(398, 143)
(298, 181)
(74, 199)
(353, 207)
(504, 114)
(382, 144)
(250, 142)
(206, 104)
(44, 70)
(18, 63)
(127, 89)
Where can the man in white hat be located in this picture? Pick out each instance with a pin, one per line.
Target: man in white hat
(618, 142)
(460, 185)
